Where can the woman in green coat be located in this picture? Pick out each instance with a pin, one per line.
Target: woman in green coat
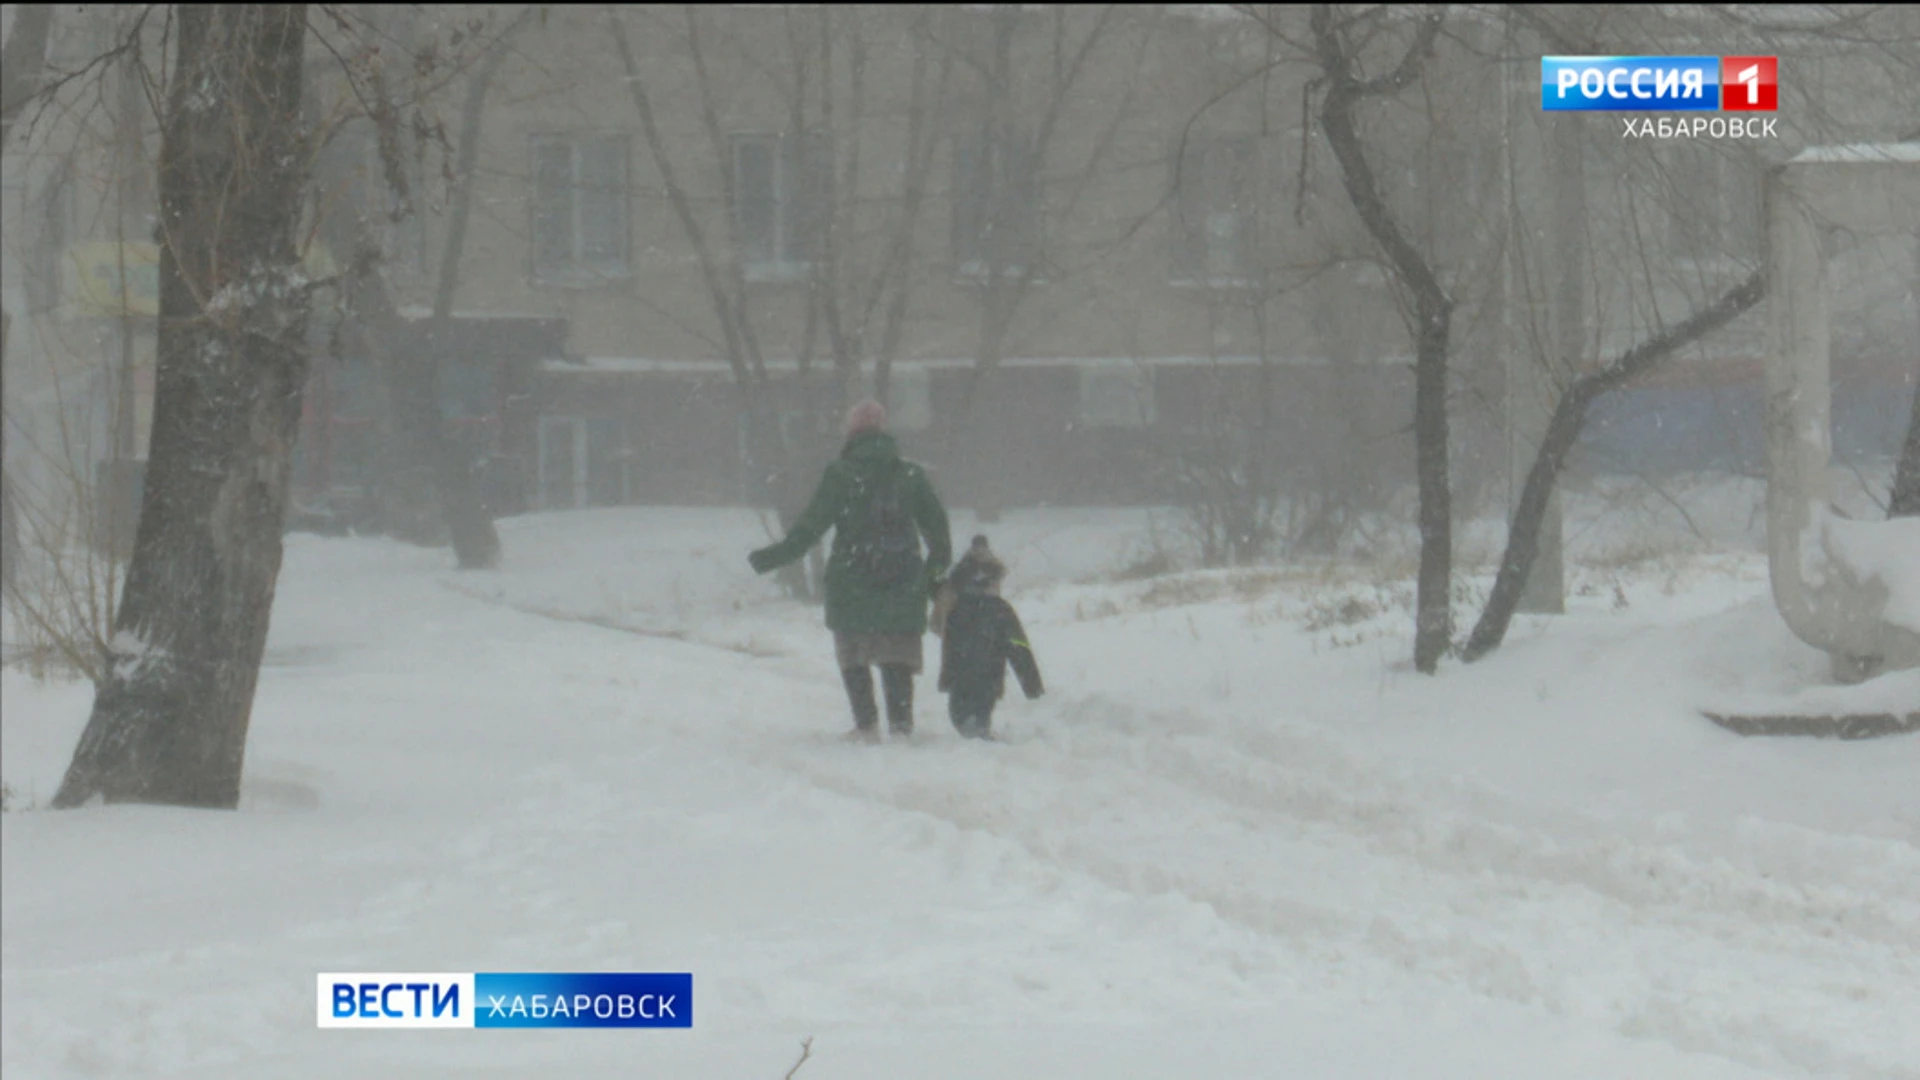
(880, 507)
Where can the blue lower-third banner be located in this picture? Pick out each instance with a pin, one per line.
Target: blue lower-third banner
(499, 999)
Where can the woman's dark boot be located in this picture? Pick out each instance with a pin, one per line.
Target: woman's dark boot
(866, 716)
(897, 682)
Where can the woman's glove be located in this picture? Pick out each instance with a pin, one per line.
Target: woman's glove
(762, 560)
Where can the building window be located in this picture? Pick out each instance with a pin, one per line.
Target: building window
(579, 207)
(782, 186)
(996, 206)
(1216, 226)
(1116, 396)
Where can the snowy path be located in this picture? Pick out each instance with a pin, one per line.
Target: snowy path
(1343, 881)
(1129, 886)
(1344, 888)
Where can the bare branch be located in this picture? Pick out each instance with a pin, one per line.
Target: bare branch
(683, 208)
(22, 61)
(736, 301)
(129, 45)
(1408, 69)
(806, 1051)
(1344, 91)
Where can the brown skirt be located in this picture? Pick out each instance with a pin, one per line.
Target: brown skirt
(886, 650)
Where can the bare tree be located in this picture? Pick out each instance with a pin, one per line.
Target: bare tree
(1251, 477)
(68, 528)
(1585, 32)
(852, 258)
(722, 273)
(64, 590)
(1568, 416)
(170, 723)
(1027, 81)
(20, 67)
(412, 376)
(725, 291)
(1346, 87)
(1227, 475)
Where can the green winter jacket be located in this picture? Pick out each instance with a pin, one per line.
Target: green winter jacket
(856, 605)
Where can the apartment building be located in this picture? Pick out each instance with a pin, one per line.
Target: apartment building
(1082, 252)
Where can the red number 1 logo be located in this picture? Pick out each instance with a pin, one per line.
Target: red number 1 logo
(1749, 83)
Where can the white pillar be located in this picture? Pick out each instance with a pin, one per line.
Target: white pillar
(1821, 599)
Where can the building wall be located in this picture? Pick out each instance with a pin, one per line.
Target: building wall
(1157, 92)
(1108, 168)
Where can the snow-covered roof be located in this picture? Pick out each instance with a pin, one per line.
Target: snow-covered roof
(629, 365)
(418, 311)
(1894, 153)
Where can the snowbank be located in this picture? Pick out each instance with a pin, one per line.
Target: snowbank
(1887, 552)
(1237, 837)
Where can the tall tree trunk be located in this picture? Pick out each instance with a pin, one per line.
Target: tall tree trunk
(169, 723)
(433, 485)
(1523, 535)
(1433, 315)
(476, 543)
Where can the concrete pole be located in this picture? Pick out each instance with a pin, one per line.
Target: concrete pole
(1533, 387)
(1823, 602)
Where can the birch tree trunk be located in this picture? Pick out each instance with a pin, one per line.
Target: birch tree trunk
(169, 722)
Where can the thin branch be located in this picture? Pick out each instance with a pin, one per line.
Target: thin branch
(469, 154)
(1411, 62)
(806, 1051)
(45, 94)
(710, 119)
(683, 209)
(23, 60)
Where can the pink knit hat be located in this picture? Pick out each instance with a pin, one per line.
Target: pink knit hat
(867, 416)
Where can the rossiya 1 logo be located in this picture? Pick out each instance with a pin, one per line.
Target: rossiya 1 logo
(1660, 83)
(1749, 83)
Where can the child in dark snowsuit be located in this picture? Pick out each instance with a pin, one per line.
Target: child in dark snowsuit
(983, 636)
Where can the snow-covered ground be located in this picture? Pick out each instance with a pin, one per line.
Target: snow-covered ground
(1239, 837)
